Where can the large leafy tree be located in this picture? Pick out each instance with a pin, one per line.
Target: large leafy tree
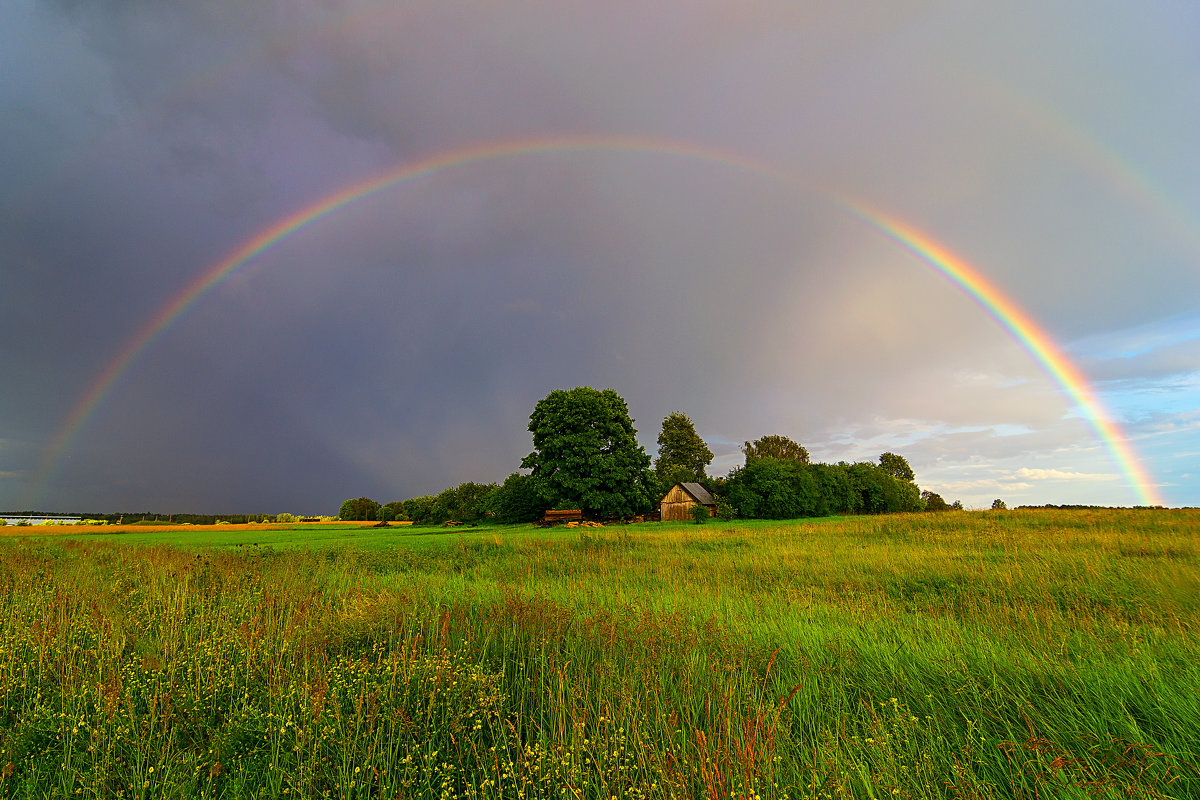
(780, 447)
(358, 509)
(586, 453)
(682, 454)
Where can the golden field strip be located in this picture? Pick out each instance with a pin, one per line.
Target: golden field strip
(1014, 654)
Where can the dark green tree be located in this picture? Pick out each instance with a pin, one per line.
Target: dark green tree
(682, 454)
(773, 488)
(774, 446)
(881, 492)
(839, 492)
(359, 509)
(896, 466)
(419, 509)
(586, 453)
(934, 501)
(999, 505)
(669, 474)
(515, 500)
(396, 510)
(463, 503)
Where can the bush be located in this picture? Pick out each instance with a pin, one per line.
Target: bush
(699, 513)
(725, 511)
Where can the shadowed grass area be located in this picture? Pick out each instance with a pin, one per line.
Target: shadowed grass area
(985, 654)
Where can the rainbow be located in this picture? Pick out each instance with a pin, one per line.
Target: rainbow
(969, 280)
(91, 399)
(1029, 334)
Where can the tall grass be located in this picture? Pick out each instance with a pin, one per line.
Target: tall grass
(1012, 654)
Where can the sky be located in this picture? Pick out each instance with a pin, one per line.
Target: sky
(260, 257)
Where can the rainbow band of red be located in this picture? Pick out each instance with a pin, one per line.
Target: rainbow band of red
(1030, 335)
(1006, 312)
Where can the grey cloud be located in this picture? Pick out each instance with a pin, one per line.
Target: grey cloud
(397, 345)
(1173, 360)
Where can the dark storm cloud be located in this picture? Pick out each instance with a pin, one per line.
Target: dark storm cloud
(398, 345)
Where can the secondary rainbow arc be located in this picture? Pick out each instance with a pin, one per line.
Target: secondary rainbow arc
(1007, 313)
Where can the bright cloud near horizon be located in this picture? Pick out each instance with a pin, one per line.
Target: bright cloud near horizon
(654, 198)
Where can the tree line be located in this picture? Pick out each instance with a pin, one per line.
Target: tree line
(586, 456)
(152, 518)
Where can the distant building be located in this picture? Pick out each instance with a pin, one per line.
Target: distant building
(677, 505)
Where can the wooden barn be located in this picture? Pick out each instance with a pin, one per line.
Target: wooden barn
(677, 505)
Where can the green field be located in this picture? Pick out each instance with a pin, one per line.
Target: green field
(1025, 654)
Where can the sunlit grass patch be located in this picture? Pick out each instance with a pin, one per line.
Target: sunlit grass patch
(1015, 654)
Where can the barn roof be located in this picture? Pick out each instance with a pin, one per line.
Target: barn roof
(699, 494)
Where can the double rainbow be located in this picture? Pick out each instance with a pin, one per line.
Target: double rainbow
(1007, 313)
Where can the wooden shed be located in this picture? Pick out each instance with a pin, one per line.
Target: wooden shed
(677, 505)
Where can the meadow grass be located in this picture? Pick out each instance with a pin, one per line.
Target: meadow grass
(1022, 654)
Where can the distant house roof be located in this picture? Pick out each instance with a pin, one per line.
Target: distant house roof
(699, 494)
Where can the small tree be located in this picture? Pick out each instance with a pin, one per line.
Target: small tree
(774, 446)
(998, 505)
(896, 466)
(725, 511)
(699, 513)
(682, 454)
(934, 501)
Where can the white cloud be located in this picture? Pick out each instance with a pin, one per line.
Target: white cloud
(1063, 475)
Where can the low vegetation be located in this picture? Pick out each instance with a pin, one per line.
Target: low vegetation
(1015, 654)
